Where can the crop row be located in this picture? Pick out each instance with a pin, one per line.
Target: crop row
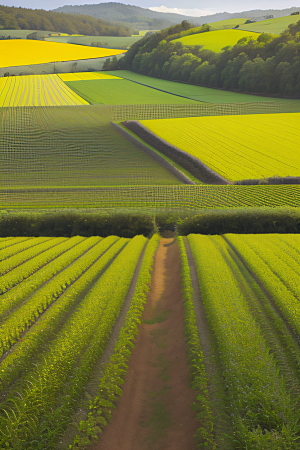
(275, 274)
(113, 377)
(181, 197)
(260, 407)
(37, 90)
(65, 364)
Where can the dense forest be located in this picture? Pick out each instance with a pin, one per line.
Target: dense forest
(12, 18)
(269, 65)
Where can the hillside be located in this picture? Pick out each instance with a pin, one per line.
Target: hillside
(12, 18)
(142, 18)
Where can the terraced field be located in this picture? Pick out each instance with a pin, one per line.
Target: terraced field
(37, 90)
(216, 40)
(237, 147)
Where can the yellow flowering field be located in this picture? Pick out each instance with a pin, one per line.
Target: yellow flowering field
(80, 76)
(37, 90)
(216, 40)
(237, 146)
(20, 52)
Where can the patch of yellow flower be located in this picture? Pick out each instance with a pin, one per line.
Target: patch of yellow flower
(20, 52)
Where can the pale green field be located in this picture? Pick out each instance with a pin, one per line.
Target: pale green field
(216, 40)
(273, 26)
(225, 24)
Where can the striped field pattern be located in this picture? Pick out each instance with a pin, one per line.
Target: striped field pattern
(79, 76)
(37, 90)
(237, 147)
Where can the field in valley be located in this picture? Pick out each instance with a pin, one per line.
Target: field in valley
(152, 341)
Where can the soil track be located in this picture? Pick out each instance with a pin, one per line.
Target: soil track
(154, 411)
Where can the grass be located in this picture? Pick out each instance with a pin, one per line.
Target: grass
(216, 40)
(123, 92)
(37, 90)
(202, 94)
(237, 147)
(80, 76)
(273, 26)
(225, 24)
(120, 42)
(20, 52)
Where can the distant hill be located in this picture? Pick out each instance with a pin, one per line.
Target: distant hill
(12, 18)
(142, 18)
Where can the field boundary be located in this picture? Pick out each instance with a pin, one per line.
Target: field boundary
(179, 175)
(194, 165)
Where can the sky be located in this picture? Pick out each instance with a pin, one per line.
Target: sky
(191, 7)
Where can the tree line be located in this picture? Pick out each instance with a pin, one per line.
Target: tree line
(269, 65)
(12, 18)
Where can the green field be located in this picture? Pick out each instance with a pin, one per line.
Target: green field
(273, 26)
(252, 315)
(216, 40)
(71, 147)
(198, 93)
(122, 42)
(59, 311)
(123, 92)
(225, 24)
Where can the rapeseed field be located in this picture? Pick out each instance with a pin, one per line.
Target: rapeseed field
(237, 147)
(37, 90)
(20, 52)
(216, 40)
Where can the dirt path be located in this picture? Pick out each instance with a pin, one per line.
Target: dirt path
(154, 411)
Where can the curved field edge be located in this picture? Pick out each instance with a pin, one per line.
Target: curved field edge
(196, 167)
(155, 155)
(109, 388)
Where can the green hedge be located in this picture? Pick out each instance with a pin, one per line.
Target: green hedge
(246, 220)
(73, 224)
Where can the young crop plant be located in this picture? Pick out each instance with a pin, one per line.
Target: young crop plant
(263, 413)
(109, 389)
(57, 379)
(205, 434)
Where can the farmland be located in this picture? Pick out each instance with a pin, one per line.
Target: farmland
(67, 285)
(217, 40)
(237, 147)
(113, 332)
(22, 52)
(37, 90)
(123, 92)
(274, 26)
(71, 146)
(199, 93)
(248, 321)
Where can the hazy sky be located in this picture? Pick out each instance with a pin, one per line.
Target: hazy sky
(191, 7)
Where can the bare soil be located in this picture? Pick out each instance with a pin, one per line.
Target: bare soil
(154, 412)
